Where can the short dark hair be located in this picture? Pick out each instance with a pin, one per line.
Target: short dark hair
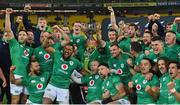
(169, 23)
(114, 44)
(113, 30)
(136, 47)
(133, 25)
(165, 60)
(70, 44)
(175, 62)
(30, 30)
(149, 32)
(33, 60)
(150, 61)
(20, 31)
(104, 64)
(156, 38)
(30, 63)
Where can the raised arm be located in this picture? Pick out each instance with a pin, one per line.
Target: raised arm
(151, 22)
(174, 28)
(9, 34)
(154, 19)
(160, 29)
(64, 35)
(18, 21)
(113, 18)
(14, 25)
(99, 39)
(7, 19)
(26, 23)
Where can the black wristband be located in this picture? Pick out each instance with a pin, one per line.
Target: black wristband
(107, 100)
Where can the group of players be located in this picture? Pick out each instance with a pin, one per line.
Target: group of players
(129, 68)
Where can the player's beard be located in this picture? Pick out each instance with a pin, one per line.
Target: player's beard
(37, 72)
(101, 75)
(66, 56)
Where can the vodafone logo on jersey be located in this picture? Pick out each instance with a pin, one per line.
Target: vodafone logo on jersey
(138, 87)
(46, 56)
(64, 66)
(39, 86)
(91, 83)
(26, 53)
(119, 71)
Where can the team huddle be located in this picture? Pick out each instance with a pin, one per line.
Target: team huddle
(129, 68)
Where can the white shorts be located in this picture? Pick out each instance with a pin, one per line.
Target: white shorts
(28, 102)
(61, 95)
(124, 102)
(95, 101)
(16, 89)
